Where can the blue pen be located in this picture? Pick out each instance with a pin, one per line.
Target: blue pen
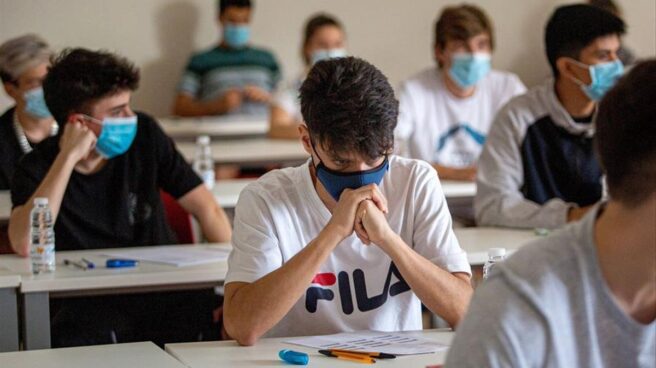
(121, 263)
(89, 263)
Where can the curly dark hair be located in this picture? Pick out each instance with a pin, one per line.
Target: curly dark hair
(349, 106)
(79, 77)
(625, 139)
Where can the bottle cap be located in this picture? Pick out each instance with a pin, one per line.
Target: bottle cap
(41, 201)
(203, 139)
(496, 252)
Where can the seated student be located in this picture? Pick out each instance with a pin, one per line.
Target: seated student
(324, 38)
(445, 112)
(585, 296)
(354, 239)
(103, 175)
(24, 64)
(233, 77)
(538, 168)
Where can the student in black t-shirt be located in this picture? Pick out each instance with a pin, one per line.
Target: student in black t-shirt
(24, 64)
(103, 175)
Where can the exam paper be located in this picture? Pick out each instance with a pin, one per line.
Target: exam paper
(372, 341)
(174, 256)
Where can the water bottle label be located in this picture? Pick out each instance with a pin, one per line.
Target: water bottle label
(43, 254)
(208, 178)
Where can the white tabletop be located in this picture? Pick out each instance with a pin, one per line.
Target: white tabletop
(265, 354)
(477, 240)
(227, 191)
(458, 189)
(69, 278)
(5, 205)
(139, 354)
(9, 279)
(216, 127)
(250, 151)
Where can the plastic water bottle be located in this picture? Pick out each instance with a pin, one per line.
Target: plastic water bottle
(203, 162)
(42, 237)
(494, 256)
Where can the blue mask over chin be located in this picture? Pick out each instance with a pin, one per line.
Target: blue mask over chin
(35, 104)
(336, 181)
(116, 136)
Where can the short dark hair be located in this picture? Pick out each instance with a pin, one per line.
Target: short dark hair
(625, 139)
(79, 77)
(349, 106)
(313, 25)
(607, 5)
(573, 27)
(225, 4)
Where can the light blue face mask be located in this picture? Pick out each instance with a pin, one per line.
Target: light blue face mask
(236, 36)
(468, 69)
(116, 136)
(603, 77)
(35, 103)
(325, 54)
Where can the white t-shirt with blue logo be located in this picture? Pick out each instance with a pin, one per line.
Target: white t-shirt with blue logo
(358, 287)
(438, 127)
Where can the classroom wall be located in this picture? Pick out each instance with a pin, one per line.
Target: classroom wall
(395, 35)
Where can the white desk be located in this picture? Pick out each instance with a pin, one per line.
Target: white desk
(458, 189)
(477, 240)
(35, 290)
(139, 354)
(255, 151)
(216, 127)
(5, 206)
(9, 283)
(265, 354)
(226, 192)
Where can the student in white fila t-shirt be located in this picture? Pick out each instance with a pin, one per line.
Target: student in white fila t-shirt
(354, 239)
(446, 112)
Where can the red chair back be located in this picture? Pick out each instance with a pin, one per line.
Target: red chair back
(179, 219)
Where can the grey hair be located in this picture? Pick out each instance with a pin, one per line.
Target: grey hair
(22, 53)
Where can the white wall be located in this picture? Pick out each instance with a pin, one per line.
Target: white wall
(395, 35)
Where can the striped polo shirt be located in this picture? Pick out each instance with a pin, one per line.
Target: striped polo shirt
(209, 74)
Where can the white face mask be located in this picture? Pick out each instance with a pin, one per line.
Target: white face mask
(325, 54)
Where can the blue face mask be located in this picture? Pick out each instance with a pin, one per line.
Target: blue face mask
(336, 181)
(35, 104)
(603, 77)
(468, 69)
(325, 54)
(236, 36)
(116, 136)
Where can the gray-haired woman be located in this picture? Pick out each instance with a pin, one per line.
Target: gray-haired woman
(24, 64)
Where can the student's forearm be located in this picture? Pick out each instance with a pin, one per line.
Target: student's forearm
(215, 225)
(188, 106)
(442, 292)
(282, 125)
(255, 308)
(52, 187)
(454, 173)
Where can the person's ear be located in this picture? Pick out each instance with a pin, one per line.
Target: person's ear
(305, 139)
(440, 56)
(12, 90)
(569, 69)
